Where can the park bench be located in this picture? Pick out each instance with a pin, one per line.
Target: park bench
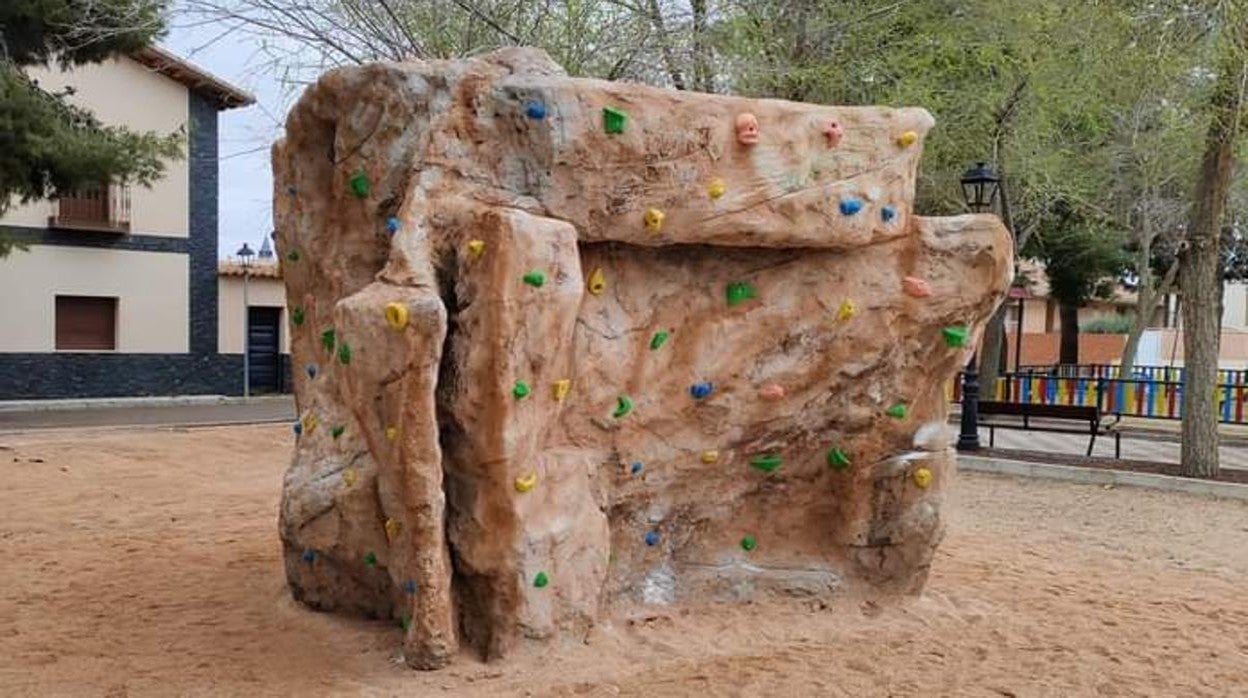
(1050, 418)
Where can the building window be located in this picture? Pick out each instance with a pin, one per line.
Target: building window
(86, 322)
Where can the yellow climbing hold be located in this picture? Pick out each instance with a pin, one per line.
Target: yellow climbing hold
(309, 423)
(348, 477)
(524, 483)
(709, 457)
(475, 248)
(716, 188)
(597, 282)
(396, 315)
(392, 433)
(560, 388)
(392, 529)
(654, 219)
(922, 478)
(847, 310)
(907, 139)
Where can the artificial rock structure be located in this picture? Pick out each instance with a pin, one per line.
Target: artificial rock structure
(565, 346)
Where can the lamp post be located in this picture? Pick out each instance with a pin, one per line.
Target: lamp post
(979, 187)
(244, 257)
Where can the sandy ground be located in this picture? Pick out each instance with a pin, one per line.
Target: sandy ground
(145, 562)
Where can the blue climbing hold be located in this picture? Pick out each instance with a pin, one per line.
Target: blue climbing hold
(701, 390)
(409, 586)
(392, 224)
(652, 538)
(311, 369)
(298, 427)
(888, 213)
(535, 109)
(850, 206)
(636, 468)
(309, 556)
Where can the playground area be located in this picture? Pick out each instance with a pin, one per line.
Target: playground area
(146, 562)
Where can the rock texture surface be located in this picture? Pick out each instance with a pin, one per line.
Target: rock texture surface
(566, 346)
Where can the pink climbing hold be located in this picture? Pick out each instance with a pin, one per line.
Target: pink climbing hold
(914, 286)
(833, 132)
(747, 129)
(772, 391)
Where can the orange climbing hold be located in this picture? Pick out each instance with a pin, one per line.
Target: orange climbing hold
(916, 287)
(747, 129)
(772, 391)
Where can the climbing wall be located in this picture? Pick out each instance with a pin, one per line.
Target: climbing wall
(570, 347)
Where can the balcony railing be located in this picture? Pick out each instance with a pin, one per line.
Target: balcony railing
(98, 208)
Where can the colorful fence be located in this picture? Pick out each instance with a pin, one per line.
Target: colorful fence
(1131, 398)
(1172, 374)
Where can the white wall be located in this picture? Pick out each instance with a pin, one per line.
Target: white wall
(151, 288)
(121, 92)
(261, 292)
(1235, 305)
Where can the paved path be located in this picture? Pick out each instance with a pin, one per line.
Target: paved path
(261, 409)
(1133, 447)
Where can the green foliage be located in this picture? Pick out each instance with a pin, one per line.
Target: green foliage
(1109, 324)
(1079, 256)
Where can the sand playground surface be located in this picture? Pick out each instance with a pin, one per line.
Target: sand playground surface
(146, 562)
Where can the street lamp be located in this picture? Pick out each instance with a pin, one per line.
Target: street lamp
(245, 254)
(979, 187)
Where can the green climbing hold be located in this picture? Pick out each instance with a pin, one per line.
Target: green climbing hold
(520, 390)
(748, 542)
(406, 621)
(739, 291)
(659, 339)
(956, 335)
(767, 463)
(535, 278)
(898, 411)
(541, 580)
(293, 255)
(359, 184)
(838, 459)
(370, 558)
(623, 405)
(328, 339)
(613, 120)
(344, 353)
(336, 430)
(296, 316)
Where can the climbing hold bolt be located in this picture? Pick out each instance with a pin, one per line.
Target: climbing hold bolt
(850, 205)
(897, 411)
(297, 427)
(922, 478)
(833, 132)
(846, 310)
(475, 248)
(393, 224)
(560, 388)
(370, 558)
(772, 391)
(748, 542)
(716, 188)
(701, 389)
(534, 278)
(392, 528)
(710, 456)
(520, 390)
(535, 109)
(747, 129)
(348, 476)
(956, 335)
(409, 586)
(739, 291)
(654, 219)
(623, 405)
(296, 316)
(336, 430)
(888, 213)
(658, 338)
(396, 315)
(541, 580)
(359, 184)
(311, 369)
(652, 538)
(597, 282)
(309, 555)
(309, 422)
(907, 139)
(524, 483)
(344, 353)
(838, 459)
(636, 467)
(613, 120)
(328, 339)
(392, 433)
(767, 463)
(916, 287)
(293, 256)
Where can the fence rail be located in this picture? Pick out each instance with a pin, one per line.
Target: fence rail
(1174, 374)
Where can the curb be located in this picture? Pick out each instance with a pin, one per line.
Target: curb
(1100, 476)
(123, 402)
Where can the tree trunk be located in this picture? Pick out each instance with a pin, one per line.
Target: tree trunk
(1069, 352)
(990, 354)
(1145, 306)
(1201, 267)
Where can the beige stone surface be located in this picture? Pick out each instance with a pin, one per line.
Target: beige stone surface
(483, 259)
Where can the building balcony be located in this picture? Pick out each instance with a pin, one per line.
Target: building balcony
(105, 208)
